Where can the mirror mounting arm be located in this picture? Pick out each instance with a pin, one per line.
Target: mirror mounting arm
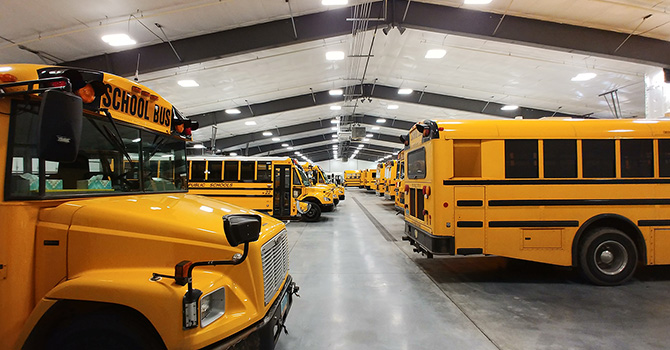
(233, 261)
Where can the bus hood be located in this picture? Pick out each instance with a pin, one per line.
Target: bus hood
(171, 216)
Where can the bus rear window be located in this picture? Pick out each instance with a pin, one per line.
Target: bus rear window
(416, 164)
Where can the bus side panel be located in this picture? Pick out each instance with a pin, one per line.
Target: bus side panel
(470, 218)
(16, 276)
(661, 246)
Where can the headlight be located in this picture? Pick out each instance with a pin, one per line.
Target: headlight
(327, 199)
(212, 306)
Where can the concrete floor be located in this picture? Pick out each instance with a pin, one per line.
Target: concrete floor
(362, 287)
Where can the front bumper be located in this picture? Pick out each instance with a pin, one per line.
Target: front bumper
(341, 197)
(270, 327)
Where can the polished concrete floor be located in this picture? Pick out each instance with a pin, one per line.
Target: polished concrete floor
(362, 287)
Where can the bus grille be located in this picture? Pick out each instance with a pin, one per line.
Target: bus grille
(274, 255)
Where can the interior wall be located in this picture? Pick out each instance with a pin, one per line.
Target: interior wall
(338, 166)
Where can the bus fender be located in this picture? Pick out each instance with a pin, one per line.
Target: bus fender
(610, 220)
(159, 301)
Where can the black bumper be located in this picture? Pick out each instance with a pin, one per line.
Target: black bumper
(270, 327)
(327, 207)
(341, 197)
(430, 243)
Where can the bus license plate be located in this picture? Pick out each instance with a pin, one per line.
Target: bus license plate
(284, 304)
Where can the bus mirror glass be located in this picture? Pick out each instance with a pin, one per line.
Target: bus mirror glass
(241, 228)
(61, 116)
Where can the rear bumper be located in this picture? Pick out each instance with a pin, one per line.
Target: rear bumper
(270, 327)
(429, 243)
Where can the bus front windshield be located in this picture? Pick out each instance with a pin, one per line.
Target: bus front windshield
(303, 176)
(113, 158)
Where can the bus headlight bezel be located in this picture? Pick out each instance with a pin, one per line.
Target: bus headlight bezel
(215, 303)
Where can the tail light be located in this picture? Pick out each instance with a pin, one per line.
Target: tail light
(426, 132)
(445, 204)
(425, 212)
(406, 188)
(9, 78)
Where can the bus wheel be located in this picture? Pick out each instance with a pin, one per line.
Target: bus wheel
(313, 213)
(608, 257)
(106, 330)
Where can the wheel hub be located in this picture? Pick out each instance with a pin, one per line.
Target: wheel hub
(610, 257)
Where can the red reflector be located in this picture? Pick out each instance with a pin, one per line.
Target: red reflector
(136, 89)
(445, 204)
(9, 78)
(423, 190)
(441, 129)
(145, 94)
(406, 188)
(154, 98)
(426, 132)
(57, 83)
(425, 212)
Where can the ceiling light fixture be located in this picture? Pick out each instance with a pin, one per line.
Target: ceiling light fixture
(583, 76)
(392, 107)
(435, 53)
(381, 121)
(118, 40)
(275, 139)
(334, 136)
(334, 55)
(334, 121)
(334, 2)
(475, 2)
(250, 123)
(335, 92)
(335, 108)
(284, 144)
(187, 83)
(233, 154)
(368, 135)
(267, 133)
(290, 148)
(334, 128)
(233, 111)
(405, 91)
(509, 108)
(366, 139)
(375, 128)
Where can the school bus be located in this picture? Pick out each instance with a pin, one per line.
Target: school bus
(352, 178)
(319, 179)
(369, 180)
(390, 175)
(591, 194)
(98, 249)
(364, 178)
(400, 183)
(277, 186)
(380, 180)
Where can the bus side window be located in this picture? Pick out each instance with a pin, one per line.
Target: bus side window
(198, 170)
(664, 158)
(230, 170)
(264, 172)
(560, 158)
(637, 158)
(467, 158)
(521, 159)
(598, 158)
(214, 169)
(247, 171)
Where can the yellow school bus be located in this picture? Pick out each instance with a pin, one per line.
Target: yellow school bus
(352, 178)
(400, 183)
(369, 180)
(391, 175)
(277, 186)
(592, 194)
(99, 248)
(318, 178)
(380, 180)
(364, 178)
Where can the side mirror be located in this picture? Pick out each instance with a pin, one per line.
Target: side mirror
(241, 228)
(61, 116)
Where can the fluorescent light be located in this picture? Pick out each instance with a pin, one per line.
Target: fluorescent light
(267, 133)
(584, 76)
(233, 154)
(296, 152)
(334, 2)
(199, 146)
(335, 108)
(509, 108)
(334, 136)
(233, 111)
(368, 135)
(375, 128)
(139, 139)
(392, 107)
(366, 139)
(476, 2)
(187, 83)
(335, 92)
(334, 55)
(334, 128)
(284, 144)
(334, 121)
(381, 120)
(435, 53)
(405, 91)
(250, 123)
(290, 148)
(275, 139)
(118, 40)
(360, 146)
(334, 140)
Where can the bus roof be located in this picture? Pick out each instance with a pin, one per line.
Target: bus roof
(241, 158)
(553, 128)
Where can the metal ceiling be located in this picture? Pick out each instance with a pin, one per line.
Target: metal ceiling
(249, 55)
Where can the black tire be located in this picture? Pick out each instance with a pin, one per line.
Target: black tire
(608, 257)
(105, 330)
(313, 213)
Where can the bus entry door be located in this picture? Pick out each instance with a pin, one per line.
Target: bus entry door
(282, 191)
(470, 219)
